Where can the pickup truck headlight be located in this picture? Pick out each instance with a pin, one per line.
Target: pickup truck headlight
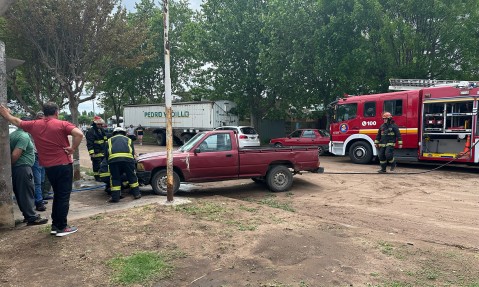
(140, 167)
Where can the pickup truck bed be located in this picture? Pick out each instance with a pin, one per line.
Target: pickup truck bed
(214, 156)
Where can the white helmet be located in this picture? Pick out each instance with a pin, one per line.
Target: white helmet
(118, 130)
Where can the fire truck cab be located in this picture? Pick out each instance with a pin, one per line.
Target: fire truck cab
(437, 121)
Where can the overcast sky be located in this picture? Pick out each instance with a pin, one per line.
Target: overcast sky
(130, 4)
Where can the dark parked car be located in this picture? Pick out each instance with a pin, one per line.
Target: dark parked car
(305, 137)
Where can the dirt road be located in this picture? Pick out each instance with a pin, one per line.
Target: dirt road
(347, 227)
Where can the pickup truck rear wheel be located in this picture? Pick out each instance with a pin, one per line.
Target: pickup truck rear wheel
(158, 182)
(278, 145)
(279, 178)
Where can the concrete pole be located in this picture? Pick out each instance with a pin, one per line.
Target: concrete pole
(7, 219)
(168, 108)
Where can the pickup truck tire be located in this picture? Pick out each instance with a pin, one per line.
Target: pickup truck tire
(279, 178)
(161, 139)
(158, 182)
(361, 152)
(278, 145)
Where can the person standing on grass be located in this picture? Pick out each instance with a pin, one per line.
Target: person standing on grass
(139, 134)
(55, 154)
(23, 158)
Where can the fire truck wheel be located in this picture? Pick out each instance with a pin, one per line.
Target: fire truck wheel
(158, 182)
(279, 178)
(361, 152)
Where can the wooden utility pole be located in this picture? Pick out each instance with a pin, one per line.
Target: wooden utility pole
(7, 219)
(168, 108)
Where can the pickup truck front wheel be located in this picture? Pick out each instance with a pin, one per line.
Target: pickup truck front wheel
(279, 178)
(158, 182)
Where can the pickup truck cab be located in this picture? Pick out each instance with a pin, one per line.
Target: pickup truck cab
(215, 156)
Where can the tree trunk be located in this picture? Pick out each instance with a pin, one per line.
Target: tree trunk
(7, 219)
(73, 105)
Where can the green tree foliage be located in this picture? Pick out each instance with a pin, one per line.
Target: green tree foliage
(231, 42)
(144, 83)
(76, 42)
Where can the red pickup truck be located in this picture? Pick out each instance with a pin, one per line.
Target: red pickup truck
(215, 156)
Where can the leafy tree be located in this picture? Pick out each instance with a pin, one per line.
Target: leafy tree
(76, 42)
(231, 44)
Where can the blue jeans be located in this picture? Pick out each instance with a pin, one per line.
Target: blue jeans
(61, 178)
(38, 171)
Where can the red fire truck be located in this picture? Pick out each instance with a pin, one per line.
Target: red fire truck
(438, 121)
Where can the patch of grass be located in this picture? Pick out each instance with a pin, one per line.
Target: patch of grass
(139, 268)
(87, 171)
(97, 217)
(242, 226)
(386, 248)
(271, 202)
(249, 209)
(206, 210)
(45, 228)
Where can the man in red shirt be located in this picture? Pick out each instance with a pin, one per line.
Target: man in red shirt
(55, 154)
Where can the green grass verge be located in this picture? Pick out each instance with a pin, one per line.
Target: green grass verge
(139, 268)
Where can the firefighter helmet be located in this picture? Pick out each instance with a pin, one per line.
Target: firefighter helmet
(387, 115)
(118, 130)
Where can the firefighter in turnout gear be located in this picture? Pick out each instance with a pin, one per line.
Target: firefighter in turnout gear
(121, 159)
(96, 144)
(386, 138)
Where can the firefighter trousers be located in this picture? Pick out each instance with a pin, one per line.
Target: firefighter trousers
(116, 170)
(95, 163)
(386, 154)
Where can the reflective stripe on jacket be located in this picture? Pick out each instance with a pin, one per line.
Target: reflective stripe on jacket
(387, 135)
(96, 141)
(120, 148)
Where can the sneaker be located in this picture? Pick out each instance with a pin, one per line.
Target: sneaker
(66, 231)
(138, 196)
(382, 171)
(393, 166)
(40, 207)
(54, 230)
(38, 221)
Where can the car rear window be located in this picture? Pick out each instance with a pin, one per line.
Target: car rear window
(248, 131)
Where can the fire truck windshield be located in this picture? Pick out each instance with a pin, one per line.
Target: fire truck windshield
(346, 112)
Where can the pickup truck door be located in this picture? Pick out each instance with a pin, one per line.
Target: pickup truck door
(216, 158)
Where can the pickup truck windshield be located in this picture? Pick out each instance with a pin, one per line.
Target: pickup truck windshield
(192, 142)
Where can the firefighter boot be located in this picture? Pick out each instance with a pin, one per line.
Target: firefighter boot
(383, 167)
(393, 165)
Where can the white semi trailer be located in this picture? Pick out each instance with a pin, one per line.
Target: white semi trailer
(188, 118)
